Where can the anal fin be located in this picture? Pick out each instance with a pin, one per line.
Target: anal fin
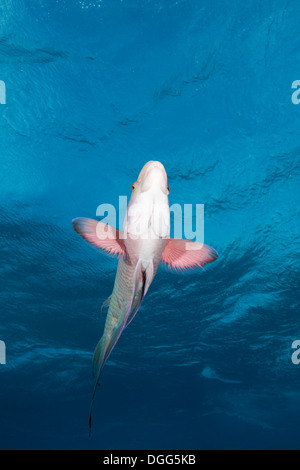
(147, 278)
(105, 305)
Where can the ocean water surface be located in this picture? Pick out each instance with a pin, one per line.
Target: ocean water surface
(94, 90)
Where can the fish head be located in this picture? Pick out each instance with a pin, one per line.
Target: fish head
(148, 213)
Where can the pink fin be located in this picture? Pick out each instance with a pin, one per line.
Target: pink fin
(183, 254)
(103, 236)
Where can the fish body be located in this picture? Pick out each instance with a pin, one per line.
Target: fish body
(141, 246)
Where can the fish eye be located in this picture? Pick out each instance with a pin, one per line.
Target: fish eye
(133, 186)
(168, 189)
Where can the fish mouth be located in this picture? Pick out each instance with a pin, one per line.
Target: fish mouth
(155, 177)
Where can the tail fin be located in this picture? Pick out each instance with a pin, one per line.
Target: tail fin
(98, 359)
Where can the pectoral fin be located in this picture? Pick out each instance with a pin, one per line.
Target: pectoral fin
(182, 254)
(101, 235)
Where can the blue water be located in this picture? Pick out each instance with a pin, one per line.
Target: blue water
(95, 89)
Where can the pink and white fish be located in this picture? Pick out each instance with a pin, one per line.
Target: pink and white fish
(141, 246)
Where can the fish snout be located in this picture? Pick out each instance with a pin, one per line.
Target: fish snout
(155, 177)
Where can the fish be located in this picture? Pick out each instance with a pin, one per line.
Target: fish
(141, 246)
